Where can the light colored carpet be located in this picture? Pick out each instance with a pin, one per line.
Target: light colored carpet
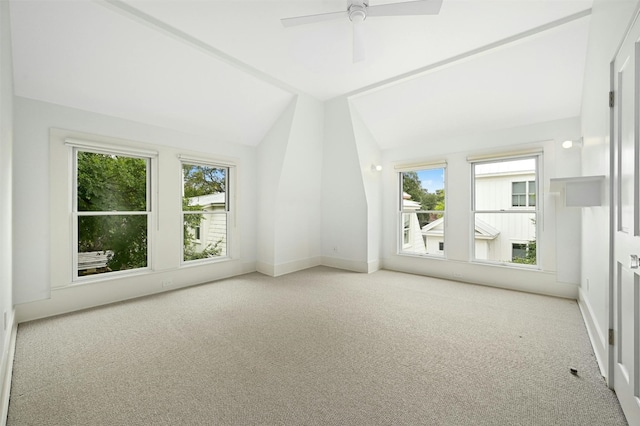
(318, 347)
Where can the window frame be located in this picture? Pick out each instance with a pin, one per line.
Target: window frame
(230, 176)
(535, 209)
(527, 194)
(401, 230)
(150, 211)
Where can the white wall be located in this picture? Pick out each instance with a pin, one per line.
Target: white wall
(545, 136)
(344, 203)
(369, 155)
(33, 273)
(289, 181)
(298, 211)
(270, 156)
(6, 139)
(609, 22)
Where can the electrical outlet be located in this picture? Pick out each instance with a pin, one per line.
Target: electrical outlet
(167, 282)
(335, 249)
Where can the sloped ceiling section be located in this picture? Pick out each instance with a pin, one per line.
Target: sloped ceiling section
(228, 68)
(83, 55)
(534, 80)
(317, 58)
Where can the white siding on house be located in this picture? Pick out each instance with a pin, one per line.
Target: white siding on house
(213, 222)
(493, 191)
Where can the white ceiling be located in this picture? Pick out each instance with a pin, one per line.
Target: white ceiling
(227, 69)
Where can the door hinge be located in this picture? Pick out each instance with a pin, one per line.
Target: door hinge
(611, 337)
(612, 99)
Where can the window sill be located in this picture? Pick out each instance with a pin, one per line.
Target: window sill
(422, 256)
(204, 262)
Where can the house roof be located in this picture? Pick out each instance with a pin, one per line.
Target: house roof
(211, 67)
(206, 200)
(408, 203)
(485, 231)
(482, 229)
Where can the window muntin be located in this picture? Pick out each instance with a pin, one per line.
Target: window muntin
(422, 210)
(505, 211)
(205, 212)
(111, 212)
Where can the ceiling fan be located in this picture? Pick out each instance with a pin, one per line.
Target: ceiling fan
(358, 10)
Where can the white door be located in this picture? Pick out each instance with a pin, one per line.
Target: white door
(626, 231)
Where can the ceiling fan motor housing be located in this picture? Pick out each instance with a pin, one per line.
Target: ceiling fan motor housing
(358, 11)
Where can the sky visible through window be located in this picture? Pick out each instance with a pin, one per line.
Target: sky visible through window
(431, 179)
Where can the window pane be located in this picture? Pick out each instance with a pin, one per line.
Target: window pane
(203, 186)
(500, 185)
(532, 193)
(519, 187)
(518, 252)
(424, 233)
(204, 191)
(424, 189)
(111, 182)
(205, 235)
(496, 233)
(111, 243)
(423, 207)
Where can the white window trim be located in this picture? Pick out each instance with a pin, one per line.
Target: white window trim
(537, 209)
(229, 208)
(100, 148)
(402, 168)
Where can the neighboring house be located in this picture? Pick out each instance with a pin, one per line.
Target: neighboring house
(511, 193)
(213, 224)
(412, 239)
(485, 239)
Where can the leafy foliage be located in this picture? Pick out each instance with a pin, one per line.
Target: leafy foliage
(202, 180)
(531, 256)
(412, 185)
(428, 201)
(113, 183)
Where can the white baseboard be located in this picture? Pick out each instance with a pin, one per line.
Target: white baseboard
(265, 268)
(346, 264)
(7, 370)
(373, 266)
(510, 278)
(76, 297)
(272, 270)
(596, 335)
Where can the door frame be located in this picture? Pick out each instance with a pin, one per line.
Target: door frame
(613, 199)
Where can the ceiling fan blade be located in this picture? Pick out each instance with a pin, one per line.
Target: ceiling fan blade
(359, 50)
(418, 7)
(310, 19)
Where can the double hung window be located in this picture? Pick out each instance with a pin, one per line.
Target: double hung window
(422, 211)
(111, 211)
(505, 210)
(205, 211)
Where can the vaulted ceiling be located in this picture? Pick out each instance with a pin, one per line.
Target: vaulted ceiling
(228, 69)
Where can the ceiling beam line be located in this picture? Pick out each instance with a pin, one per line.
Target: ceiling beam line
(466, 55)
(181, 36)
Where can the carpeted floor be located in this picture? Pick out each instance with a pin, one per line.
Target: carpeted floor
(317, 347)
